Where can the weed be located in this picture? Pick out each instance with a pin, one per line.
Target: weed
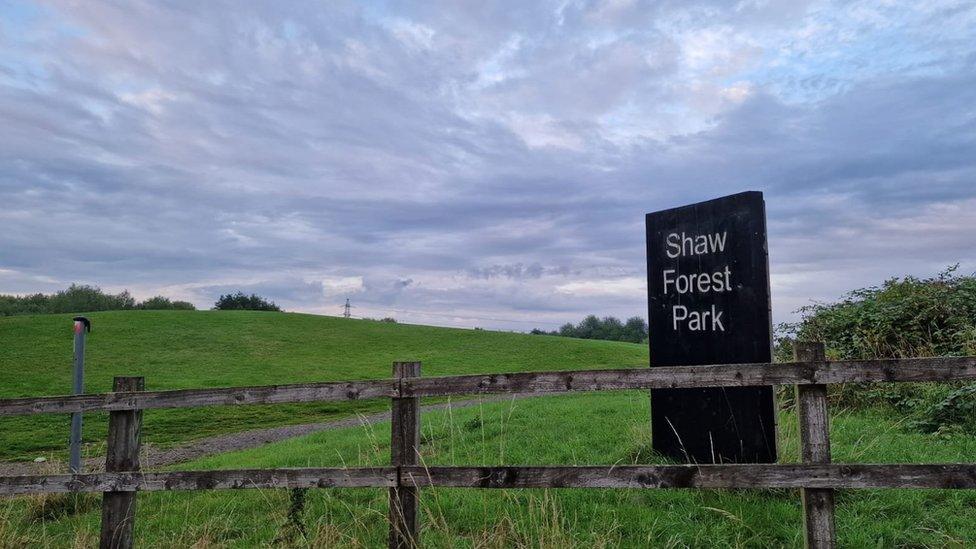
(952, 414)
(474, 424)
(49, 507)
(294, 529)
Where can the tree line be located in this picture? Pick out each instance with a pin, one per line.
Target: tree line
(610, 328)
(82, 298)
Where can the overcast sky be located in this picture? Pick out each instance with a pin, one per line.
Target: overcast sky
(463, 164)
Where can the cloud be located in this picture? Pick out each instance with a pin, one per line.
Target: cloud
(628, 287)
(341, 286)
(517, 271)
(485, 164)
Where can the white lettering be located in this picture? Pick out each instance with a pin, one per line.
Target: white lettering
(673, 243)
(701, 245)
(675, 317)
(717, 320)
(668, 280)
(719, 281)
(680, 244)
(717, 242)
(697, 321)
(704, 283)
(689, 242)
(683, 244)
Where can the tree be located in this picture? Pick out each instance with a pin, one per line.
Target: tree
(635, 330)
(589, 328)
(241, 301)
(611, 329)
(81, 298)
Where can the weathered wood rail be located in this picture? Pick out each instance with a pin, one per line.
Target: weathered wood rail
(719, 375)
(732, 476)
(816, 476)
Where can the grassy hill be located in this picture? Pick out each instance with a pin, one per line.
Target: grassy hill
(183, 349)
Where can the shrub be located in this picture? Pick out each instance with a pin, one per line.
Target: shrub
(906, 317)
(902, 318)
(956, 410)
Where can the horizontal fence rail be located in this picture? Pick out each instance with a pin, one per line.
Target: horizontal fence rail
(378, 477)
(816, 477)
(193, 398)
(718, 375)
(836, 476)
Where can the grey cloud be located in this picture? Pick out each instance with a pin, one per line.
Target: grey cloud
(517, 271)
(214, 147)
(290, 291)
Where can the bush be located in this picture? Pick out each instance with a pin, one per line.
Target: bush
(902, 318)
(241, 301)
(956, 411)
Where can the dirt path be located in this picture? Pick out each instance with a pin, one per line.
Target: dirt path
(153, 458)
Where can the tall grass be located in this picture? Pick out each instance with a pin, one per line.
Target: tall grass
(594, 429)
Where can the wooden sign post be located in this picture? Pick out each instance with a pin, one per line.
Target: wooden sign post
(708, 303)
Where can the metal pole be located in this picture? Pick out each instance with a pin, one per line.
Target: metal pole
(82, 326)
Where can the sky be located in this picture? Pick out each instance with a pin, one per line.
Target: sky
(474, 163)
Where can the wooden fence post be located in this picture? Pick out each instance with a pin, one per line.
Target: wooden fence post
(811, 412)
(404, 450)
(122, 454)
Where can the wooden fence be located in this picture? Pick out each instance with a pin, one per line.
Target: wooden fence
(815, 476)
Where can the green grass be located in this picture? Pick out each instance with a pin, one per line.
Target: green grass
(207, 349)
(596, 428)
(182, 349)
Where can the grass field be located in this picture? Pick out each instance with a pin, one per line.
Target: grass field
(577, 429)
(206, 349)
(182, 349)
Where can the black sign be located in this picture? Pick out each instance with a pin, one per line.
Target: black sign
(708, 303)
